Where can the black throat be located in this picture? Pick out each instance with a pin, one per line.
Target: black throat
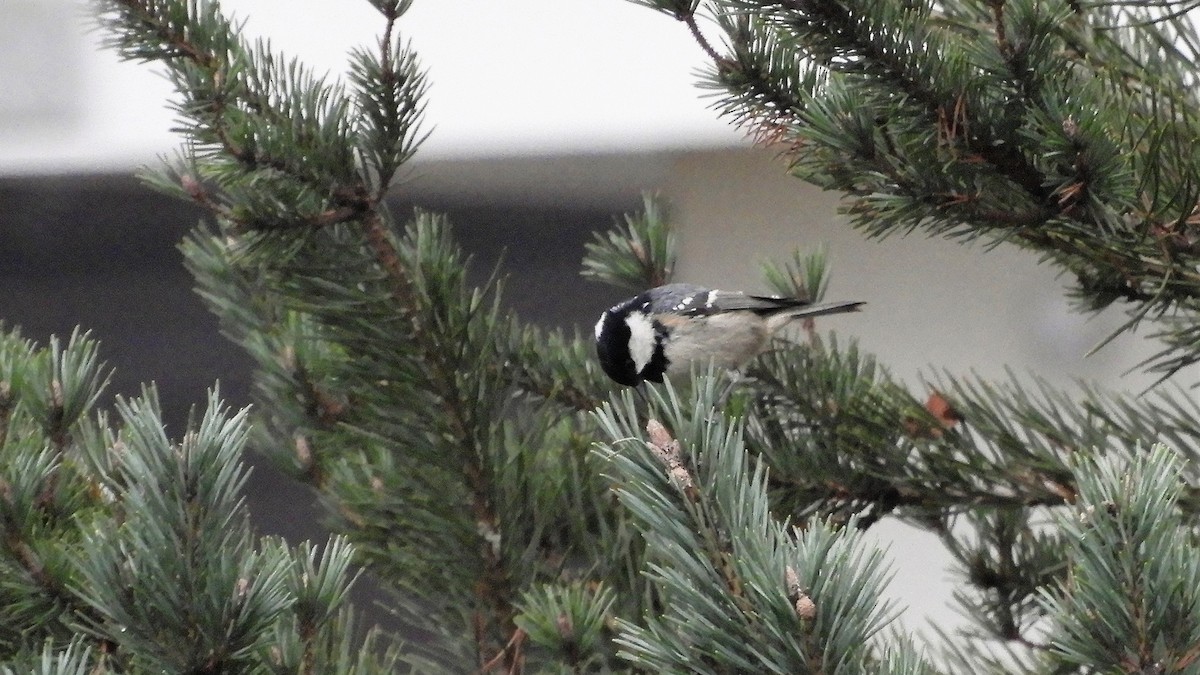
(657, 366)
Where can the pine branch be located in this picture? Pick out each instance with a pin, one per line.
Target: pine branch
(75, 659)
(244, 105)
(740, 592)
(447, 436)
(1131, 566)
(50, 393)
(569, 620)
(847, 442)
(1007, 560)
(843, 437)
(638, 256)
(283, 171)
(1040, 125)
(122, 551)
(332, 425)
(391, 89)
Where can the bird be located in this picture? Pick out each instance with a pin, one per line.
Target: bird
(670, 328)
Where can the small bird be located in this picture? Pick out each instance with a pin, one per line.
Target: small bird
(667, 329)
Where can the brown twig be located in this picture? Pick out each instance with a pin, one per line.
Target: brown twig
(6, 409)
(689, 19)
(509, 655)
(1001, 33)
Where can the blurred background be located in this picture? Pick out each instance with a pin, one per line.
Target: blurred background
(548, 119)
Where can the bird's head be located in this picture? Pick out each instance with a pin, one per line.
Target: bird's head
(628, 345)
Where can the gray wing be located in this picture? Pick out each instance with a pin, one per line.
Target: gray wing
(693, 300)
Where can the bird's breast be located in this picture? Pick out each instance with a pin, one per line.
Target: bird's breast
(728, 340)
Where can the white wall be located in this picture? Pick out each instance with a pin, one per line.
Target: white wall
(508, 77)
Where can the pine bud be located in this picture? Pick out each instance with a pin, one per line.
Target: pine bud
(681, 477)
(667, 450)
(192, 187)
(805, 608)
(792, 581)
(1070, 127)
(566, 628)
(287, 358)
(1064, 492)
(303, 451)
(56, 393)
(665, 447)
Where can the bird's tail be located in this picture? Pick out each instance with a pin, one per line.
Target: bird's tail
(777, 321)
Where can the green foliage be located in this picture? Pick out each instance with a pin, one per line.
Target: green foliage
(804, 276)
(182, 587)
(454, 444)
(1132, 599)
(638, 256)
(127, 552)
(740, 591)
(1068, 128)
(61, 385)
(75, 659)
(390, 88)
(44, 485)
(446, 440)
(423, 450)
(830, 419)
(569, 620)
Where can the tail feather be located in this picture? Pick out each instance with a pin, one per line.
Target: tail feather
(776, 321)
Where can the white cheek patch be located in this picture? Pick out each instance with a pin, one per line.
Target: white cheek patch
(641, 339)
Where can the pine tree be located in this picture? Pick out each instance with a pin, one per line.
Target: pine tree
(532, 520)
